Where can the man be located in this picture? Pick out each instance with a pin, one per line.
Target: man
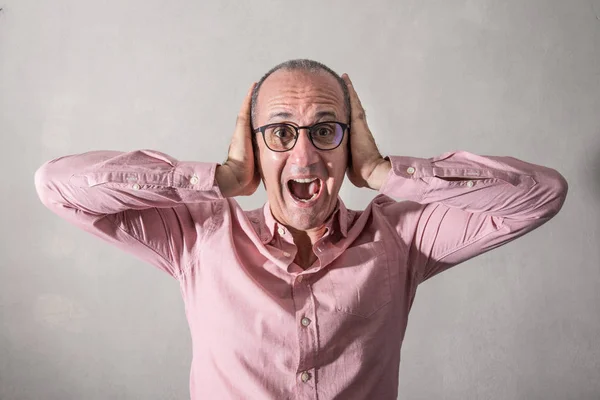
(302, 298)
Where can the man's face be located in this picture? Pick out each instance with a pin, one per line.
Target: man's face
(301, 99)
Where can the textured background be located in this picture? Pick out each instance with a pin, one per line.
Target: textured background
(81, 320)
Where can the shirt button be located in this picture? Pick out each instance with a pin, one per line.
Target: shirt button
(135, 186)
(194, 180)
(470, 183)
(305, 321)
(299, 279)
(281, 231)
(410, 170)
(305, 376)
(286, 254)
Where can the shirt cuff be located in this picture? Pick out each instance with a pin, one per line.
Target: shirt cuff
(199, 176)
(403, 180)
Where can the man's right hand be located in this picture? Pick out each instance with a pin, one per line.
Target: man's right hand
(239, 176)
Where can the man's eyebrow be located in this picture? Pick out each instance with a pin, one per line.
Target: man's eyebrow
(286, 115)
(322, 114)
(280, 114)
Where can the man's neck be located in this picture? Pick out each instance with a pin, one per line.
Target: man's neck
(304, 241)
(307, 238)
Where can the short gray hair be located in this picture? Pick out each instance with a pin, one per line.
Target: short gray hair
(305, 65)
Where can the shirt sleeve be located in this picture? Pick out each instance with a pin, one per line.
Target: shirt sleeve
(470, 204)
(139, 201)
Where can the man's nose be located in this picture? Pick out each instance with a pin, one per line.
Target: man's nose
(304, 153)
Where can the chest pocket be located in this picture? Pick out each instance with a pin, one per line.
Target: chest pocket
(360, 279)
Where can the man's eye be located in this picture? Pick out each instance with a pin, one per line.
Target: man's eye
(281, 132)
(322, 132)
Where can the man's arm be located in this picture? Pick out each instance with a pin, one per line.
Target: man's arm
(469, 204)
(146, 202)
(472, 204)
(135, 200)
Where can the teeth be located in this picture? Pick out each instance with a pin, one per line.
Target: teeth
(304, 180)
(307, 200)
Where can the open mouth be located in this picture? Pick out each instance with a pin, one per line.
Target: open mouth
(304, 190)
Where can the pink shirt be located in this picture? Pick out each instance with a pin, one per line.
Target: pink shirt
(263, 328)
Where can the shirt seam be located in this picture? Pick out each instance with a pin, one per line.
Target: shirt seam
(203, 236)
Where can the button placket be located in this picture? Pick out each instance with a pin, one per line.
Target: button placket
(307, 340)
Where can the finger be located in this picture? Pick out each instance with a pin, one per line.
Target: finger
(242, 134)
(242, 125)
(357, 112)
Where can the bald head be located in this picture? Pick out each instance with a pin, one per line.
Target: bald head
(306, 68)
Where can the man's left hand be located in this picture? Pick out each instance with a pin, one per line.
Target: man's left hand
(366, 166)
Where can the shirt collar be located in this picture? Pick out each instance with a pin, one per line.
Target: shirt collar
(339, 217)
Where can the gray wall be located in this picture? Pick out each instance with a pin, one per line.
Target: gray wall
(81, 320)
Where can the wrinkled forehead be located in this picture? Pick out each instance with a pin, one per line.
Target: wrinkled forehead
(301, 97)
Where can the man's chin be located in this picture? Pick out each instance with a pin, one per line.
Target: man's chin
(305, 219)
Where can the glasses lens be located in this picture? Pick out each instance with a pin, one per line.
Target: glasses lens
(280, 137)
(327, 135)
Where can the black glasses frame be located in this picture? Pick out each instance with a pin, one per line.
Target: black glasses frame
(297, 129)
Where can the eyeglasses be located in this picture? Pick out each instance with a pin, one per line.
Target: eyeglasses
(282, 137)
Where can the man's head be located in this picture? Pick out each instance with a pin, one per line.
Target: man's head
(301, 93)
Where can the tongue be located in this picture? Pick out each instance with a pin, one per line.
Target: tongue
(304, 191)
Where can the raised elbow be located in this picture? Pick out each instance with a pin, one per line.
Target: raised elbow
(45, 185)
(559, 190)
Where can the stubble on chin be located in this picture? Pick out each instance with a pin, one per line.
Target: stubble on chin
(307, 218)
